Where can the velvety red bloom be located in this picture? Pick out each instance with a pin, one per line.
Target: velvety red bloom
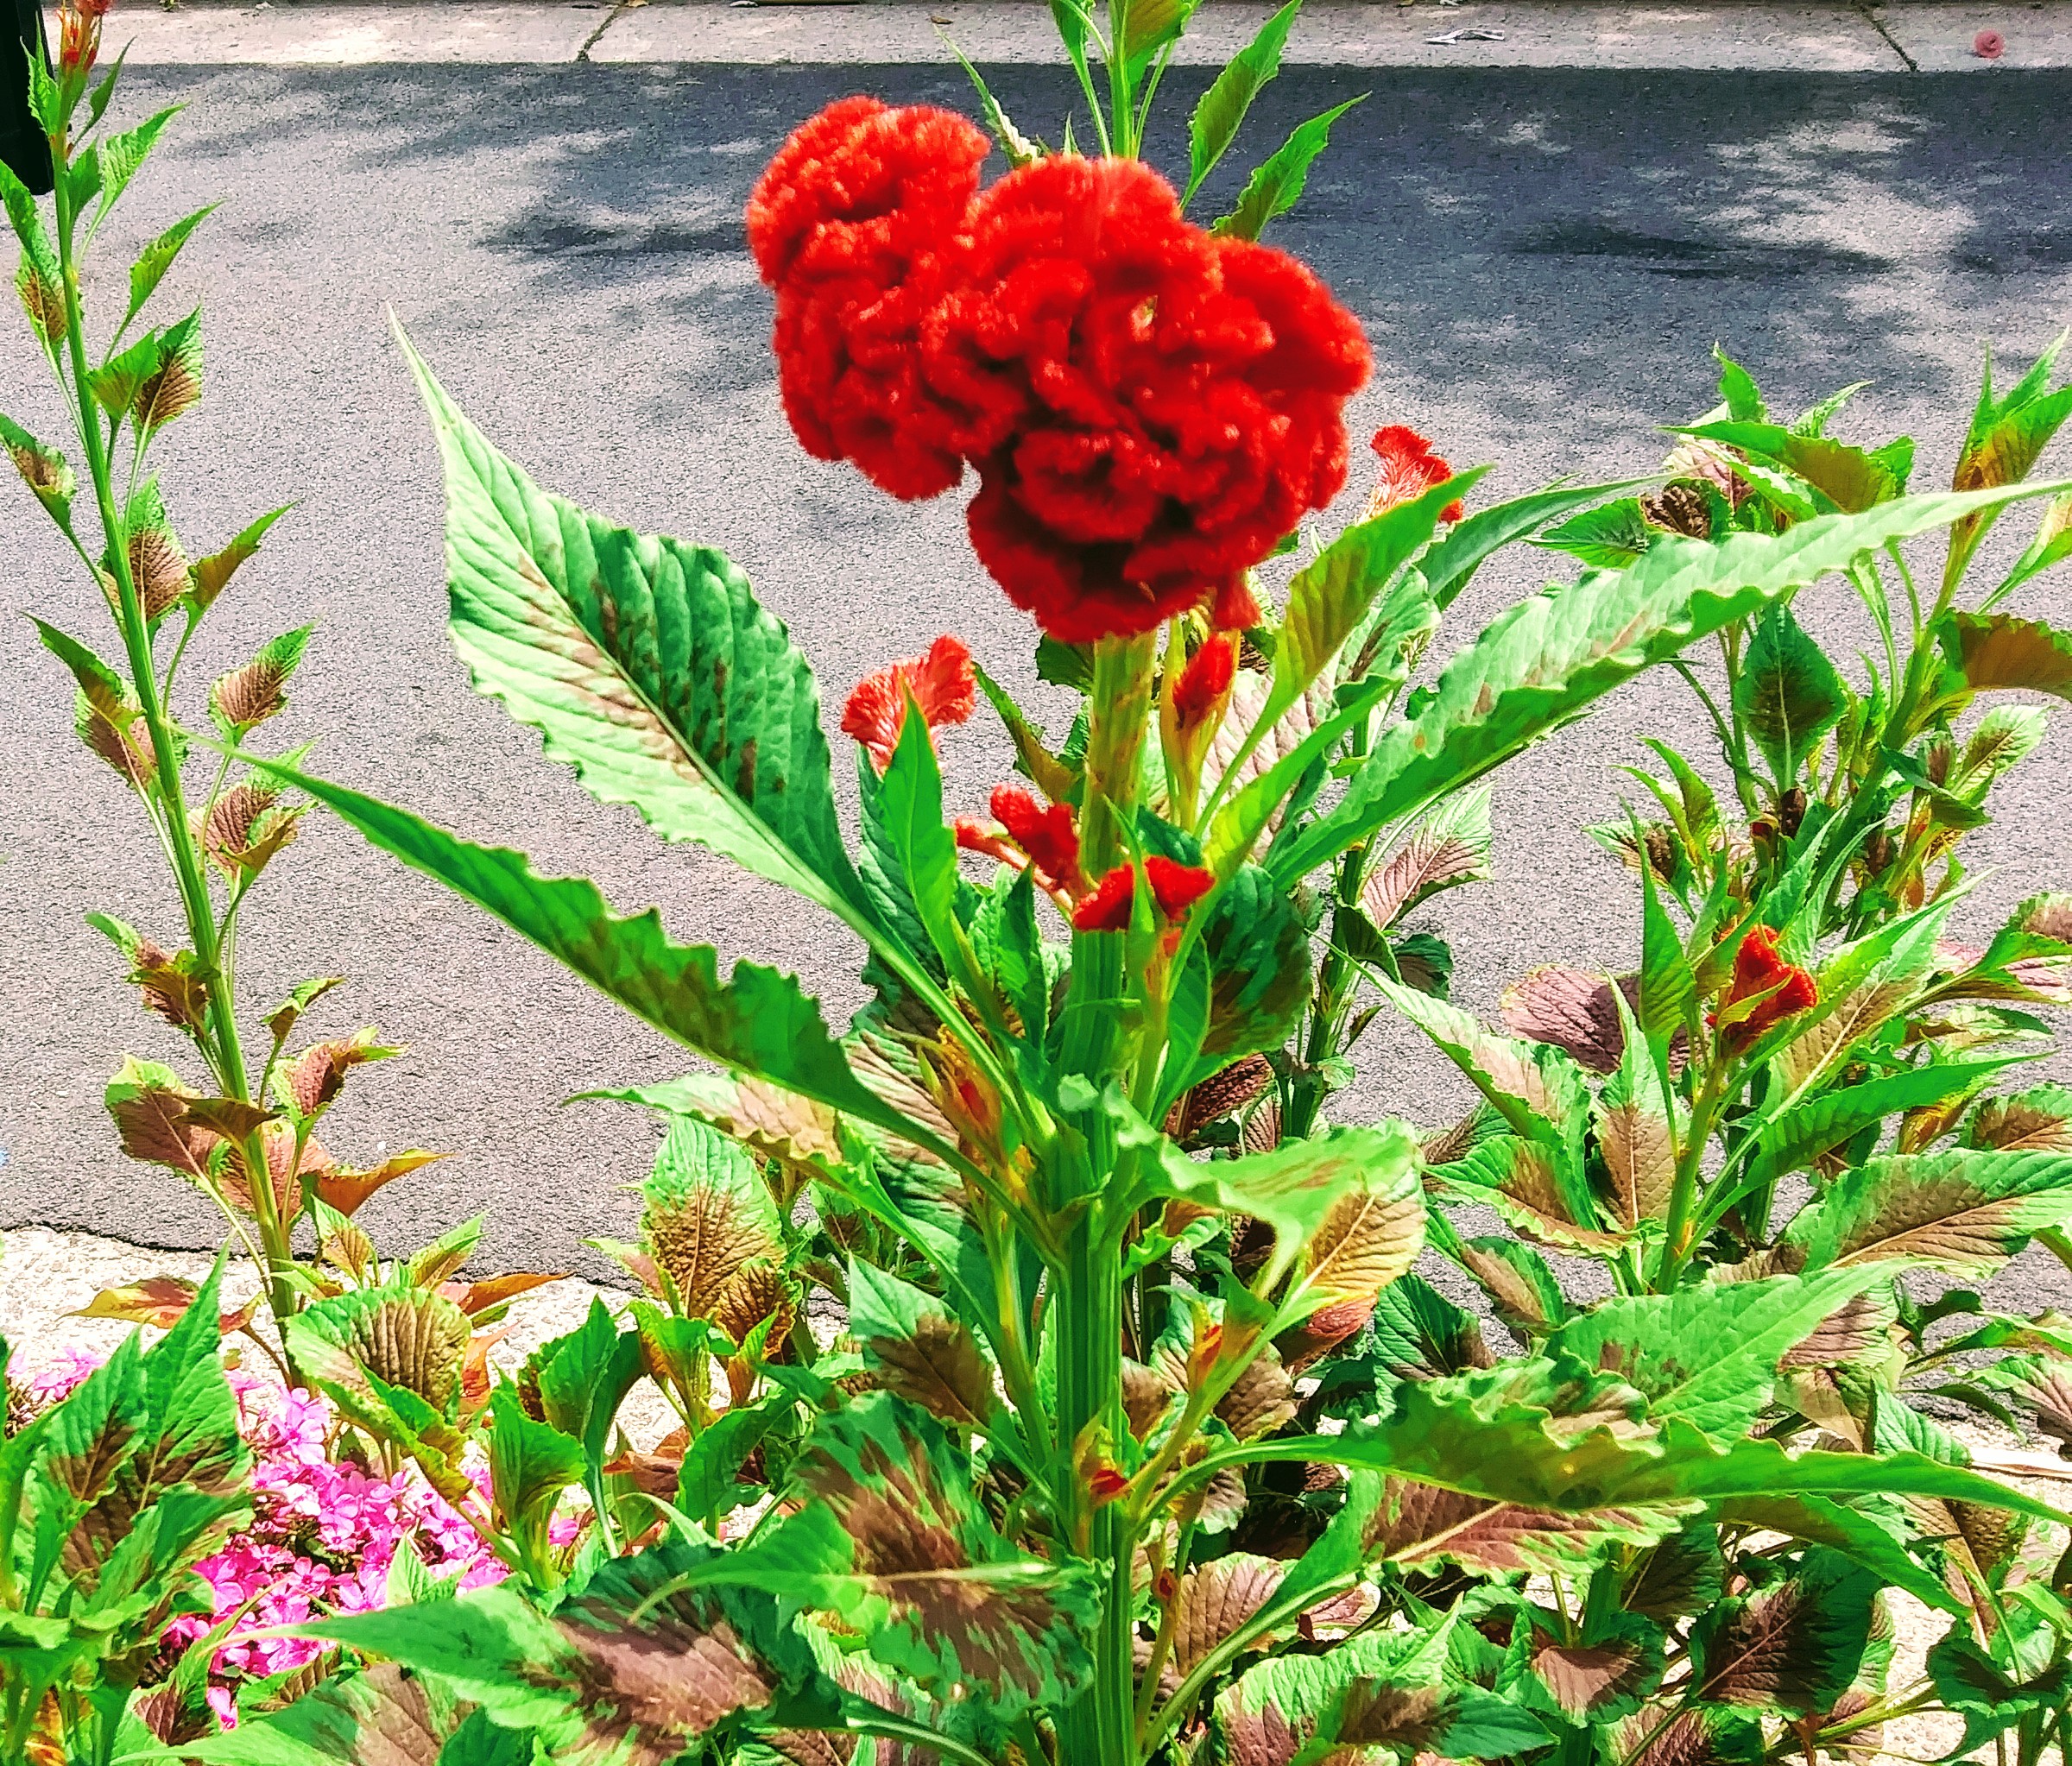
(1408, 468)
(1756, 970)
(1204, 680)
(1176, 887)
(1151, 409)
(940, 682)
(849, 224)
(1107, 909)
(1046, 836)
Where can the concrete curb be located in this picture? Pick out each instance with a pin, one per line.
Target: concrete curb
(1751, 35)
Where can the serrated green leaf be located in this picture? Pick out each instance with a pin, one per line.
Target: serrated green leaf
(1992, 651)
(157, 258)
(1845, 478)
(531, 1463)
(407, 1337)
(1551, 655)
(759, 1023)
(245, 697)
(1608, 538)
(1793, 1140)
(102, 688)
(647, 666)
(1793, 1646)
(1451, 564)
(1277, 185)
(1738, 390)
(706, 1483)
(921, 1350)
(385, 1713)
(1216, 117)
(45, 470)
(209, 576)
(1965, 1213)
(707, 1212)
(1788, 693)
(1708, 1355)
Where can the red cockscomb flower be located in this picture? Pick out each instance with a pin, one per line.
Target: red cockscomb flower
(1758, 969)
(849, 224)
(1205, 679)
(940, 682)
(79, 33)
(1046, 836)
(1174, 886)
(1180, 398)
(1408, 468)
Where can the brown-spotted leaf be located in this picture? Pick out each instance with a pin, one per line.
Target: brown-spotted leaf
(245, 828)
(157, 565)
(1261, 1399)
(1213, 1600)
(1451, 847)
(1604, 1678)
(149, 1105)
(248, 695)
(1693, 1736)
(1517, 1177)
(173, 385)
(127, 748)
(316, 1076)
(1570, 1008)
(404, 1336)
(1794, 1647)
(708, 1213)
(345, 1190)
(1999, 651)
(1965, 1211)
(1219, 1096)
(1419, 1527)
(2037, 1121)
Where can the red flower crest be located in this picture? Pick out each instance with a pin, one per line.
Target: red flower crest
(1149, 409)
(1408, 468)
(1046, 836)
(1174, 886)
(1758, 969)
(941, 683)
(1205, 679)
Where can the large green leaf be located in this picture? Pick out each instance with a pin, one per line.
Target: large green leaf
(1793, 1646)
(1214, 123)
(638, 1665)
(1709, 1354)
(1788, 694)
(759, 1023)
(921, 1350)
(1549, 657)
(1550, 1436)
(1797, 1136)
(1277, 185)
(647, 664)
(1379, 1690)
(1965, 1213)
(386, 1716)
(897, 1547)
(1451, 564)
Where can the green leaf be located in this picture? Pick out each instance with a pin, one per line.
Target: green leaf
(1608, 538)
(406, 1336)
(1552, 1436)
(38, 280)
(2052, 544)
(45, 470)
(592, 1677)
(707, 1212)
(1989, 1697)
(1293, 1189)
(1214, 123)
(1451, 564)
(896, 1545)
(922, 1351)
(1330, 596)
(384, 1714)
(172, 384)
(1548, 658)
(1277, 185)
(1376, 1690)
(1845, 478)
(1874, 1540)
(1738, 390)
(209, 576)
(585, 1377)
(531, 1463)
(908, 806)
(121, 154)
(1787, 693)
(1258, 953)
(1993, 651)
(105, 691)
(1793, 1646)
(1147, 26)
(1794, 1138)
(758, 1023)
(706, 1483)
(1708, 1355)
(1019, 149)
(1965, 1213)
(157, 258)
(115, 383)
(647, 666)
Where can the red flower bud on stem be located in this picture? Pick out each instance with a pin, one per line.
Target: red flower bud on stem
(939, 681)
(1780, 989)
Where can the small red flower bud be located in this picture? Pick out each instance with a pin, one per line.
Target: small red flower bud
(1046, 836)
(1104, 1482)
(1107, 909)
(1204, 681)
(1408, 468)
(941, 682)
(1176, 887)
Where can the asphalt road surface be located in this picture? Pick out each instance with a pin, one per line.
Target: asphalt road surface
(1543, 261)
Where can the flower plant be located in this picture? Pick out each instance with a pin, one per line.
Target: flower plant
(1052, 1378)
(246, 1136)
(1135, 1435)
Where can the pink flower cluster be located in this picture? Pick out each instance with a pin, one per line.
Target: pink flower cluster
(322, 1537)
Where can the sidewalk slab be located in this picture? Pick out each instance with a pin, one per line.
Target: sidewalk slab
(481, 31)
(1937, 35)
(1819, 38)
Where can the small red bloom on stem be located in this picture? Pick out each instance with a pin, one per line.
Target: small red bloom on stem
(1046, 836)
(79, 33)
(1757, 970)
(1204, 681)
(1174, 886)
(940, 682)
(1408, 468)
(1104, 1482)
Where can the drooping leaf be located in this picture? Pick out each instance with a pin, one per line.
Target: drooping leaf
(209, 576)
(1451, 845)
(404, 1336)
(384, 1716)
(1995, 651)
(1551, 655)
(2038, 1120)
(1964, 1212)
(157, 258)
(758, 1024)
(44, 470)
(1277, 185)
(1796, 1137)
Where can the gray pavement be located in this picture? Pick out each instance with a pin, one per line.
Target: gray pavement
(1543, 262)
